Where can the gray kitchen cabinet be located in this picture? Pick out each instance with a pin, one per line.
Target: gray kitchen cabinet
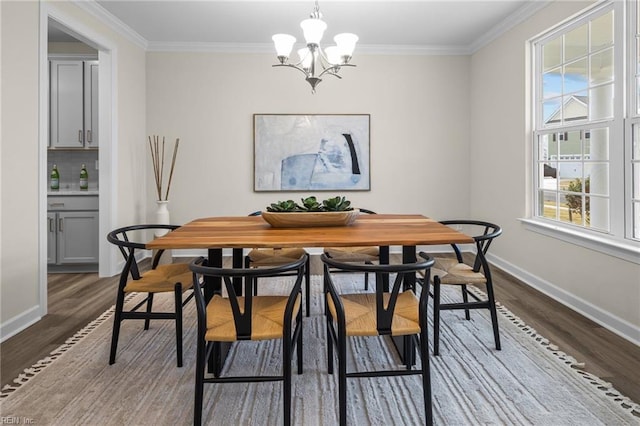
(73, 104)
(73, 232)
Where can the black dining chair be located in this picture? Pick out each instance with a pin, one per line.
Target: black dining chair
(455, 272)
(259, 257)
(167, 278)
(235, 318)
(362, 254)
(392, 311)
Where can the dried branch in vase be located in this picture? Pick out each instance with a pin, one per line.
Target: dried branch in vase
(157, 159)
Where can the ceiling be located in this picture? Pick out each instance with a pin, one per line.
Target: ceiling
(427, 24)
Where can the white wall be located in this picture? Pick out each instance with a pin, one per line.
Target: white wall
(19, 266)
(603, 287)
(419, 128)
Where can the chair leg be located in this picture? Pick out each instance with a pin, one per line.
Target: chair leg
(426, 376)
(117, 320)
(342, 379)
(329, 349)
(149, 308)
(299, 342)
(465, 299)
(366, 281)
(286, 378)
(201, 362)
(494, 314)
(307, 286)
(178, 300)
(436, 315)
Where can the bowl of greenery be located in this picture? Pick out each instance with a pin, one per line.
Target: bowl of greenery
(336, 211)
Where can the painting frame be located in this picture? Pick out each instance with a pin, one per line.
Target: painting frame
(311, 152)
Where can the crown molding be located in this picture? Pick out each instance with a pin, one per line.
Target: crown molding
(519, 16)
(121, 28)
(112, 22)
(267, 48)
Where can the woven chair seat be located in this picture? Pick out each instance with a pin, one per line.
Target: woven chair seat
(274, 256)
(360, 314)
(162, 279)
(454, 273)
(267, 318)
(353, 254)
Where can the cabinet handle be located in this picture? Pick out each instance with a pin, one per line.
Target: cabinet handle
(50, 225)
(60, 220)
(88, 136)
(80, 136)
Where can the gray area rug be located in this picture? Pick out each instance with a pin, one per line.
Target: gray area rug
(529, 382)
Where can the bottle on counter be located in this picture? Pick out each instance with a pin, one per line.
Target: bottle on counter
(55, 178)
(84, 178)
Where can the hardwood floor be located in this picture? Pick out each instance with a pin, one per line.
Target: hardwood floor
(76, 299)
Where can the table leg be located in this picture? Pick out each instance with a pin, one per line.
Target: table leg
(404, 344)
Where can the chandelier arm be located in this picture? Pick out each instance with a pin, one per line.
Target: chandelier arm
(292, 66)
(330, 71)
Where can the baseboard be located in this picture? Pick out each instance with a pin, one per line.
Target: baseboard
(18, 323)
(606, 319)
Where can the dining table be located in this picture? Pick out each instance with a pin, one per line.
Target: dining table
(246, 232)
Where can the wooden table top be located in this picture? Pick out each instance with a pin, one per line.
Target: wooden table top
(253, 231)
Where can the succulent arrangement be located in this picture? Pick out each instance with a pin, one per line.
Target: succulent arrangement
(311, 204)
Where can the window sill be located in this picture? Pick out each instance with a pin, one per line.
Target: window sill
(625, 250)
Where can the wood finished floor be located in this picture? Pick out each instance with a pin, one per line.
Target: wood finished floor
(77, 299)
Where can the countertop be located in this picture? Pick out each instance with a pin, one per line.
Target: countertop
(73, 190)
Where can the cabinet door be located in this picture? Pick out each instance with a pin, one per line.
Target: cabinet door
(91, 104)
(51, 238)
(66, 107)
(77, 237)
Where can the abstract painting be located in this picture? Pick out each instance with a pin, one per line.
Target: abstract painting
(311, 152)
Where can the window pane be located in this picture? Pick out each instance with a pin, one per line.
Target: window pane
(636, 220)
(601, 102)
(602, 67)
(575, 76)
(552, 54)
(572, 210)
(547, 204)
(576, 43)
(568, 171)
(570, 145)
(551, 83)
(602, 32)
(636, 180)
(597, 178)
(575, 107)
(636, 142)
(547, 146)
(596, 144)
(552, 113)
(596, 210)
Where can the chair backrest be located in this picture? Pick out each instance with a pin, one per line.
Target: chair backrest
(124, 238)
(248, 278)
(383, 272)
(483, 234)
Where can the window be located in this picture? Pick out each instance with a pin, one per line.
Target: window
(582, 150)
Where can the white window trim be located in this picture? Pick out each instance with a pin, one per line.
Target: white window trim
(603, 243)
(616, 242)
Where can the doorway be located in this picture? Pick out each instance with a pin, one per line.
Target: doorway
(54, 16)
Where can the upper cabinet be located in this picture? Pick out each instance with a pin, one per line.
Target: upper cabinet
(74, 104)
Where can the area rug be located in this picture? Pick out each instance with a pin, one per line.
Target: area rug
(528, 382)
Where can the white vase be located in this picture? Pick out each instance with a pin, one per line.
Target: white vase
(162, 217)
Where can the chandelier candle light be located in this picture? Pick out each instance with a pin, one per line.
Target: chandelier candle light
(314, 62)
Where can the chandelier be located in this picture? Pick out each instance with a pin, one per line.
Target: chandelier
(314, 62)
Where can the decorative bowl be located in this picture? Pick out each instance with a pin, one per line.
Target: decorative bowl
(310, 219)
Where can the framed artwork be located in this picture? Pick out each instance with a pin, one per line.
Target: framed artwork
(317, 152)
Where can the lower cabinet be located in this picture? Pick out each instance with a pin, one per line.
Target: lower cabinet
(73, 235)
